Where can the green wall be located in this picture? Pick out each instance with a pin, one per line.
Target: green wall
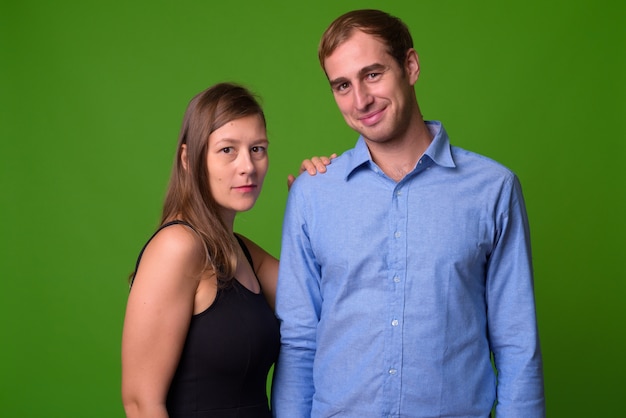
(91, 99)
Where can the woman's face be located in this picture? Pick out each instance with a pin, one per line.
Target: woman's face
(237, 162)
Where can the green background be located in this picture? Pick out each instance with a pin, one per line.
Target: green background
(91, 100)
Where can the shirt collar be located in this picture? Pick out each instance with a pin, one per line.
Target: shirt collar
(360, 156)
(438, 150)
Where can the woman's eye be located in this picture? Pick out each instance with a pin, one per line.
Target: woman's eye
(227, 150)
(258, 149)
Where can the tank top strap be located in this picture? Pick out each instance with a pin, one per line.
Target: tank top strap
(165, 225)
(245, 250)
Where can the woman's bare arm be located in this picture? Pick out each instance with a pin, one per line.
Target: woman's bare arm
(158, 312)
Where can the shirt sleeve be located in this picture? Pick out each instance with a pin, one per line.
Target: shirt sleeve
(512, 323)
(298, 305)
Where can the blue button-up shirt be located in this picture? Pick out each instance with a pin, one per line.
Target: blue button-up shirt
(393, 296)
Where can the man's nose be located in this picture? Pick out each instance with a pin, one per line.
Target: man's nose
(362, 97)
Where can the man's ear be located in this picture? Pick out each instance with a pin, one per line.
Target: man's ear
(183, 156)
(412, 66)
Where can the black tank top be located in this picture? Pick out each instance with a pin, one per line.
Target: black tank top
(228, 352)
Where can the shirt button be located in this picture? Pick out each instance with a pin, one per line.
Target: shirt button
(397, 234)
(396, 279)
(399, 193)
(393, 371)
(394, 323)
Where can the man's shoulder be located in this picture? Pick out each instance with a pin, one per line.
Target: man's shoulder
(336, 172)
(470, 160)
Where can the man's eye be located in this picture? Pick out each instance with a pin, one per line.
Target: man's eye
(340, 87)
(373, 76)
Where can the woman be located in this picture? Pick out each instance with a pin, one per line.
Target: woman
(199, 334)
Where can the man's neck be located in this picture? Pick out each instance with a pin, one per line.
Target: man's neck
(398, 157)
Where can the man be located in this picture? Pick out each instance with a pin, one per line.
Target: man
(406, 268)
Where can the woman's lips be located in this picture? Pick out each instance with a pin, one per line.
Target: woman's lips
(246, 188)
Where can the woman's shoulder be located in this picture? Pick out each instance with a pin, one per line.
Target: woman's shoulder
(178, 243)
(177, 231)
(173, 260)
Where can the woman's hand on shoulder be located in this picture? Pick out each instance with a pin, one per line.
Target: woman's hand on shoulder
(159, 309)
(312, 166)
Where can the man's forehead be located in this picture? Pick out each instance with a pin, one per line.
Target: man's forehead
(356, 53)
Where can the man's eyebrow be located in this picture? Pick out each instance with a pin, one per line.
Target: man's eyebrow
(338, 81)
(373, 68)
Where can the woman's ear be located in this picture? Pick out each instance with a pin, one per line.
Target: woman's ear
(183, 156)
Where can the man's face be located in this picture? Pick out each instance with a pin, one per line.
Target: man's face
(372, 91)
